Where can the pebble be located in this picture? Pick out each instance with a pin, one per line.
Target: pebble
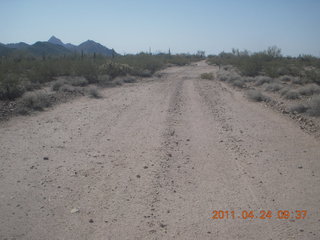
(75, 210)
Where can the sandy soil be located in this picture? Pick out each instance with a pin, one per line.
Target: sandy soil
(152, 160)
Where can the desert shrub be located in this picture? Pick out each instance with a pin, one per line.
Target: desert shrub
(285, 78)
(208, 76)
(248, 79)
(144, 73)
(129, 79)
(117, 82)
(29, 85)
(260, 80)
(34, 101)
(11, 87)
(284, 91)
(273, 87)
(314, 106)
(299, 108)
(257, 96)
(94, 92)
(309, 90)
(68, 88)
(239, 83)
(291, 94)
(56, 85)
(78, 81)
(299, 81)
(104, 80)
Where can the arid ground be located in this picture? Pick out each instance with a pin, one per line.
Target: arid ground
(153, 160)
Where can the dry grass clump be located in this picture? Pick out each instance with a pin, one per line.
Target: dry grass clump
(233, 78)
(70, 81)
(94, 92)
(34, 101)
(309, 89)
(129, 79)
(314, 106)
(299, 108)
(208, 76)
(273, 87)
(56, 85)
(260, 80)
(78, 81)
(285, 78)
(291, 94)
(68, 88)
(104, 80)
(239, 83)
(257, 96)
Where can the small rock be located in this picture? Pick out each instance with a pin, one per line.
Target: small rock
(75, 210)
(138, 176)
(163, 225)
(45, 158)
(300, 167)
(91, 221)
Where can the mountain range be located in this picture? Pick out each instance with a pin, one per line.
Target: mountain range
(54, 47)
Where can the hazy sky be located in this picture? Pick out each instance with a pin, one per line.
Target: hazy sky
(182, 25)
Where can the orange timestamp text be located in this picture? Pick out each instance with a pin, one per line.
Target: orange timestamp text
(259, 214)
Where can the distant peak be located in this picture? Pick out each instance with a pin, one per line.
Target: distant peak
(55, 40)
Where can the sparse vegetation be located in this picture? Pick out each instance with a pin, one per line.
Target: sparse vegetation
(309, 89)
(299, 108)
(94, 92)
(208, 76)
(19, 74)
(291, 94)
(257, 96)
(56, 85)
(314, 106)
(239, 83)
(260, 80)
(271, 63)
(273, 87)
(34, 101)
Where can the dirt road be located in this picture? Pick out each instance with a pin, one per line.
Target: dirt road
(153, 160)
